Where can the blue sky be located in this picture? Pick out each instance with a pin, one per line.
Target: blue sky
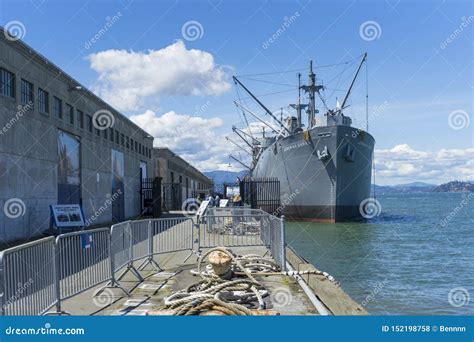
(417, 78)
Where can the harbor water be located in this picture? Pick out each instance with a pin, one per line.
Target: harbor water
(415, 258)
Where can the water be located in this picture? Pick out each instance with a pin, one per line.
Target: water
(403, 261)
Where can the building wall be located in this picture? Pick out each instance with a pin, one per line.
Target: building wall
(29, 147)
(165, 163)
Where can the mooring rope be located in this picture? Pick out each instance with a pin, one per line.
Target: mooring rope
(227, 296)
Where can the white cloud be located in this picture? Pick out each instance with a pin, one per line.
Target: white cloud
(128, 78)
(192, 137)
(405, 164)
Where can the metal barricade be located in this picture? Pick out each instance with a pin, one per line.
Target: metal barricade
(36, 276)
(229, 231)
(275, 239)
(82, 262)
(120, 240)
(140, 235)
(245, 227)
(27, 283)
(172, 235)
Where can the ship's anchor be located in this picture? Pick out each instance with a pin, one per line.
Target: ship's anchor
(324, 154)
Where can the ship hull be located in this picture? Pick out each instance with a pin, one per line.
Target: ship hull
(318, 188)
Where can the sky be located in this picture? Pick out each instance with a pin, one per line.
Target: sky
(168, 66)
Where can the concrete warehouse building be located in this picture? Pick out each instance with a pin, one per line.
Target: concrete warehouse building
(61, 144)
(180, 180)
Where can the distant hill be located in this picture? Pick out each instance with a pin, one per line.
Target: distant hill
(404, 188)
(455, 186)
(420, 185)
(220, 177)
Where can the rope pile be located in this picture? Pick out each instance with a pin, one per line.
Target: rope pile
(235, 296)
(229, 297)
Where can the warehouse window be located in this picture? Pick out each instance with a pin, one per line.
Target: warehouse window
(70, 113)
(43, 101)
(26, 92)
(89, 123)
(80, 119)
(57, 108)
(7, 83)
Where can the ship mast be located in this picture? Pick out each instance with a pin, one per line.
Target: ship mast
(312, 98)
(299, 106)
(311, 89)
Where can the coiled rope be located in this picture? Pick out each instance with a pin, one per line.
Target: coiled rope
(228, 297)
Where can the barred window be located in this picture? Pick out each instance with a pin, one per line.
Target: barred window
(122, 140)
(117, 139)
(57, 108)
(7, 83)
(70, 113)
(80, 119)
(26, 92)
(105, 133)
(43, 101)
(111, 134)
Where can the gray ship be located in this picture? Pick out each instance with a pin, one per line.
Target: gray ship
(324, 168)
